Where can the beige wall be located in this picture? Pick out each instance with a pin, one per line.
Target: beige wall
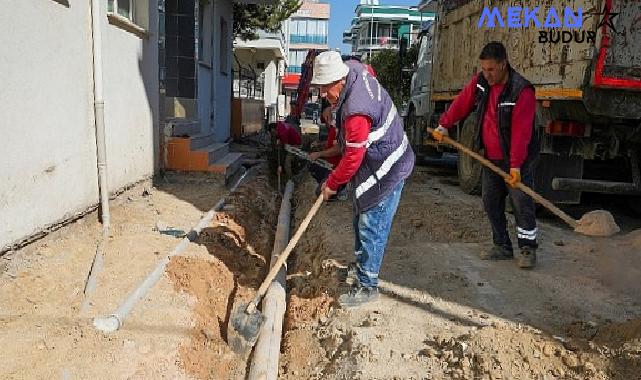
(49, 163)
(313, 10)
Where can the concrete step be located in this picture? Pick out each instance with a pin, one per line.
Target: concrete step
(201, 140)
(228, 164)
(183, 127)
(214, 151)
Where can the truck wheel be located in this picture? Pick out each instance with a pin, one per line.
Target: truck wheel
(410, 126)
(415, 127)
(469, 170)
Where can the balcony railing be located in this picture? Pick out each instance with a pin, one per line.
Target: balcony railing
(382, 42)
(277, 35)
(308, 39)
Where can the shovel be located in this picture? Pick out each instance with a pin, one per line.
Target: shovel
(246, 319)
(594, 223)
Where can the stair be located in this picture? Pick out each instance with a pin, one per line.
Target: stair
(201, 140)
(182, 128)
(227, 165)
(194, 154)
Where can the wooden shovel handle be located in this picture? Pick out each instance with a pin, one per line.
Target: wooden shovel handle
(538, 198)
(251, 307)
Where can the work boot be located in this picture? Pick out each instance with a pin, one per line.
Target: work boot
(527, 258)
(497, 253)
(357, 296)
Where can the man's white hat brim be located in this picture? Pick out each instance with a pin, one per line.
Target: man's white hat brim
(324, 75)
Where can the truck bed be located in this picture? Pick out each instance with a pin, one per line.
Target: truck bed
(557, 70)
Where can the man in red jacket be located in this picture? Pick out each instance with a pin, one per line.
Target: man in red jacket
(283, 133)
(504, 105)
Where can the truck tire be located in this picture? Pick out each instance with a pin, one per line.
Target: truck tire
(410, 127)
(415, 127)
(469, 170)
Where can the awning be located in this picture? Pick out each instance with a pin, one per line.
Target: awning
(291, 80)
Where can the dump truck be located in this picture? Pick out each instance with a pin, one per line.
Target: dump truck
(585, 63)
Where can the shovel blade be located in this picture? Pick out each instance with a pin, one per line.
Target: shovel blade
(243, 328)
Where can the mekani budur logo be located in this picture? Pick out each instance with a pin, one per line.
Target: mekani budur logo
(550, 22)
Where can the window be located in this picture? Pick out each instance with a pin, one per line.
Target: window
(130, 15)
(123, 8)
(224, 46)
(311, 27)
(302, 27)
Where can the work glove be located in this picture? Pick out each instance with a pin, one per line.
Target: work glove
(515, 177)
(439, 133)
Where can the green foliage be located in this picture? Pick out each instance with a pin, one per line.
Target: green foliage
(395, 72)
(248, 18)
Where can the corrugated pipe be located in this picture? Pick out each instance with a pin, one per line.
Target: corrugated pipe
(101, 148)
(115, 321)
(264, 364)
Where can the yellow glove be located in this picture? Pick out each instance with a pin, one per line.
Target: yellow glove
(515, 177)
(439, 133)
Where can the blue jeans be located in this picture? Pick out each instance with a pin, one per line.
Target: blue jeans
(371, 230)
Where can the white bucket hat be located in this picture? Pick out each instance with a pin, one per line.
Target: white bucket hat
(329, 67)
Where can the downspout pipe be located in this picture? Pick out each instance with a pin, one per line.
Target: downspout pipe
(99, 113)
(101, 151)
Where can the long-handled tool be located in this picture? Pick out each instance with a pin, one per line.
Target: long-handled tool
(595, 223)
(246, 319)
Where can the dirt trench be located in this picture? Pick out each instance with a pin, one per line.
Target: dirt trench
(240, 241)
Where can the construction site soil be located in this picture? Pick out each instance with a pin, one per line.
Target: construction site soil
(443, 313)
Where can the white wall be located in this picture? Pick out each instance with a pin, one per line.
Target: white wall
(131, 102)
(222, 82)
(48, 171)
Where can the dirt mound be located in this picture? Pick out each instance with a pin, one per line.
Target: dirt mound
(597, 223)
(207, 354)
(522, 354)
(239, 241)
(633, 239)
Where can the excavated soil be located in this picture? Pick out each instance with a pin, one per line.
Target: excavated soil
(597, 223)
(178, 330)
(445, 314)
(239, 241)
(46, 335)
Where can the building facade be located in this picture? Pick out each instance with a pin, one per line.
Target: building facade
(259, 67)
(162, 63)
(307, 29)
(376, 27)
(49, 172)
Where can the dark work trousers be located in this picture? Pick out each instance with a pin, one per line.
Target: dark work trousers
(318, 172)
(495, 190)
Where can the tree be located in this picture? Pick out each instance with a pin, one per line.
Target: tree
(394, 75)
(248, 18)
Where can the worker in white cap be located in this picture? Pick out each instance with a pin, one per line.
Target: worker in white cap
(376, 160)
